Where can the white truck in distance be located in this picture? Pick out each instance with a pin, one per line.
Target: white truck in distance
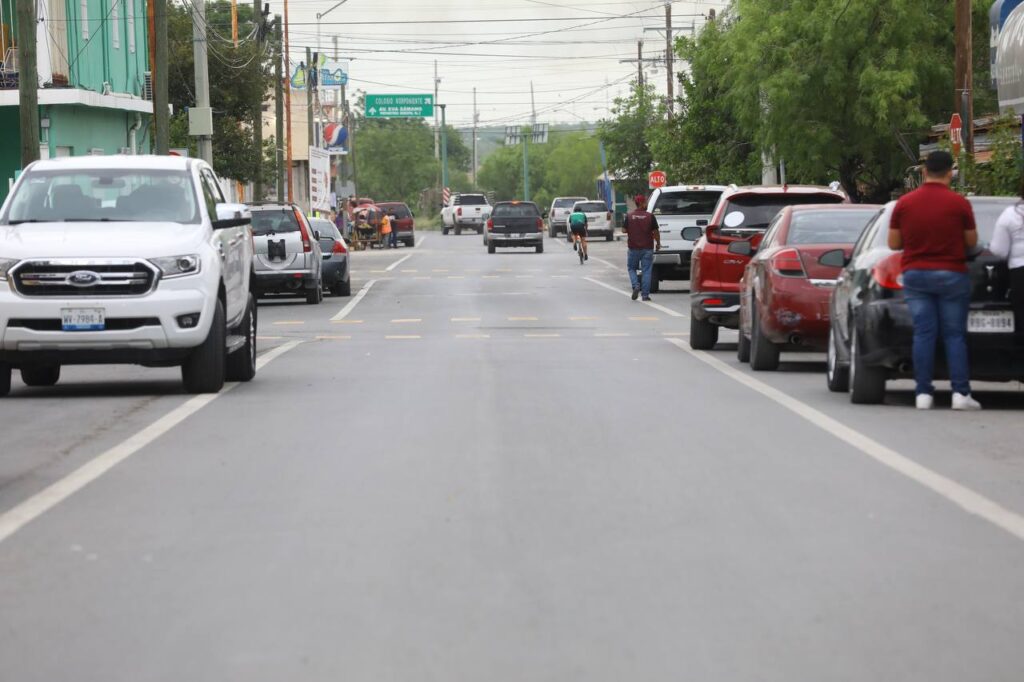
(125, 260)
(465, 212)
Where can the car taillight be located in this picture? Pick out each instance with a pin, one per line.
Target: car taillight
(713, 301)
(540, 224)
(307, 246)
(888, 272)
(787, 263)
(458, 211)
(490, 224)
(714, 237)
(339, 247)
(608, 215)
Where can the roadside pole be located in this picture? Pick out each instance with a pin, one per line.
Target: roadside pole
(278, 111)
(476, 119)
(526, 164)
(161, 97)
(309, 114)
(444, 148)
(963, 98)
(288, 106)
(257, 119)
(202, 74)
(28, 82)
(668, 58)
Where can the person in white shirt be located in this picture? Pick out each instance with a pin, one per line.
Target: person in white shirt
(1008, 243)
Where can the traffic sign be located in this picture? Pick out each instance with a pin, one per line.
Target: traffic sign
(956, 132)
(399, 106)
(657, 179)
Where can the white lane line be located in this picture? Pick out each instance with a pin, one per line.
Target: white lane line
(351, 305)
(970, 501)
(542, 336)
(400, 337)
(398, 262)
(18, 517)
(651, 304)
(608, 263)
(419, 242)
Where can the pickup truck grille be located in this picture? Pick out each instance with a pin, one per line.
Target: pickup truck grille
(84, 278)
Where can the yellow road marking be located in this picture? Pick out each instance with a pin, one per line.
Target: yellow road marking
(395, 337)
(505, 270)
(560, 276)
(491, 276)
(268, 338)
(542, 336)
(522, 319)
(378, 271)
(456, 277)
(332, 337)
(346, 321)
(524, 276)
(675, 333)
(465, 319)
(583, 317)
(644, 319)
(406, 320)
(410, 271)
(289, 322)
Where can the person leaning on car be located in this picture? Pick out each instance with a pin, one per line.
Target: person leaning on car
(1008, 243)
(935, 226)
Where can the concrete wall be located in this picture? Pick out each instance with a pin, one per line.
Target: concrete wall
(102, 41)
(85, 128)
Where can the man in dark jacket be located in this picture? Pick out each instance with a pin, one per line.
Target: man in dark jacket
(642, 239)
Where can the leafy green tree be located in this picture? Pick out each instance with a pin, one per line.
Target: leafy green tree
(628, 153)
(394, 158)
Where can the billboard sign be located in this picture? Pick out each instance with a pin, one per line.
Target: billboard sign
(319, 179)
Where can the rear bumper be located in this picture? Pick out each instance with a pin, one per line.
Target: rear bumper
(510, 240)
(335, 271)
(277, 282)
(800, 314)
(720, 308)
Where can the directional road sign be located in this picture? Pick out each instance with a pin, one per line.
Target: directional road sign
(399, 106)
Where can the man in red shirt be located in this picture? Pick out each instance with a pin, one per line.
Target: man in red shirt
(935, 226)
(642, 238)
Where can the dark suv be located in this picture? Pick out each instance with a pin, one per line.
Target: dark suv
(742, 213)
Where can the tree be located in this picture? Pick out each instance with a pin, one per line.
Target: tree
(625, 137)
(394, 158)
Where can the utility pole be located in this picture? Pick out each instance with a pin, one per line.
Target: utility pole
(202, 71)
(526, 164)
(668, 56)
(259, 18)
(28, 82)
(310, 77)
(640, 63)
(533, 107)
(963, 100)
(476, 119)
(278, 110)
(158, 77)
(288, 105)
(444, 148)
(234, 22)
(437, 81)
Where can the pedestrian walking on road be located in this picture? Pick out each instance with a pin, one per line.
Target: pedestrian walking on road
(935, 227)
(1008, 243)
(642, 239)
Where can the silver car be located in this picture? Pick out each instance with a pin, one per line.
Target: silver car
(336, 276)
(287, 257)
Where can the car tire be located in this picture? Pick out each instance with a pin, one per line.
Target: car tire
(867, 384)
(609, 237)
(655, 283)
(316, 295)
(551, 231)
(743, 347)
(343, 288)
(5, 379)
(410, 242)
(703, 334)
(204, 369)
(458, 231)
(540, 247)
(444, 230)
(764, 355)
(241, 365)
(480, 230)
(836, 376)
(490, 248)
(44, 375)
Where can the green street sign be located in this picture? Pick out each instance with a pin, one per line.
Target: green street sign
(399, 106)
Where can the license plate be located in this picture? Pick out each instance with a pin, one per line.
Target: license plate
(83, 319)
(990, 321)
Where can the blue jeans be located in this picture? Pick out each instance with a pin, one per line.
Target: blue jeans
(640, 259)
(939, 301)
(393, 241)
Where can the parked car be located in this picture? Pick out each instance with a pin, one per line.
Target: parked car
(336, 277)
(784, 292)
(404, 224)
(465, 211)
(871, 335)
(600, 221)
(125, 260)
(288, 259)
(559, 212)
(742, 213)
(515, 223)
(677, 208)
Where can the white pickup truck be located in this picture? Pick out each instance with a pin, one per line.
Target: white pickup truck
(125, 260)
(465, 212)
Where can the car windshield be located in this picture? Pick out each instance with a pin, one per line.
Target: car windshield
(83, 195)
(592, 207)
(986, 212)
(274, 221)
(755, 211)
(516, 211)
(471, 200)
(566, 203)
(690, 202)
(828, 227)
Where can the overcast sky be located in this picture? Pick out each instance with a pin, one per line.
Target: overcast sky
(568, 48)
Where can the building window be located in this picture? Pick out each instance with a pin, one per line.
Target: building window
(130, 8)
(84, 11)
(115, 22)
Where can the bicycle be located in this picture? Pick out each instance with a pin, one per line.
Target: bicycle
(578, 247)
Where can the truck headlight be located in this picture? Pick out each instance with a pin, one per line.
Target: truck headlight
(177, 266)
(5, 265)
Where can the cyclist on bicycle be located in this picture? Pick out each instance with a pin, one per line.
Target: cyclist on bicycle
(578, 229)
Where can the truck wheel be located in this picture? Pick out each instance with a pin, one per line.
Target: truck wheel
(490, 248)
(867, 384)
(837, 376)
(203, 371)
(444, 230)
(764, 355)
(458, 231)
(47, 375)
(241, 365)
(5, 379)
(703, 334)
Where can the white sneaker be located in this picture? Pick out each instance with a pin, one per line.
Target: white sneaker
(965, 402)
(924, 401)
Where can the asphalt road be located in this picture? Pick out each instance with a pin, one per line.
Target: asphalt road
(498, 467)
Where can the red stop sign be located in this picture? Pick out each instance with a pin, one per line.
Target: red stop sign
(956, 132)
(657, 179)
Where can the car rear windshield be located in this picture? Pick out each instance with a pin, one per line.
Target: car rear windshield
(400, 211)
(133, 195)
(828, 227)
(592, 207)
(755, 211)
(325, 227)
(690, 202)
(471, 200)
(273, 221)
(516, 211)
(566, 203)
(986, 212)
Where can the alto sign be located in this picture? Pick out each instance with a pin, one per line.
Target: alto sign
(956, 132)
(657, 179)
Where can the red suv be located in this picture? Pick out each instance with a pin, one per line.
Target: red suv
(404, 223)
(742, 214)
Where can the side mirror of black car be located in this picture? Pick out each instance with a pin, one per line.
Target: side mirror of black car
(692, 234)
(741, 248)
(836, 258)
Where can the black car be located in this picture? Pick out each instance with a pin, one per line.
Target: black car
(515, 223)
(871, 334)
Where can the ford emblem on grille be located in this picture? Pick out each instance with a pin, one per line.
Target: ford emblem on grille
(83, 278)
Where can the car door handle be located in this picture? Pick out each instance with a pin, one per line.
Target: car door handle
(234, 241)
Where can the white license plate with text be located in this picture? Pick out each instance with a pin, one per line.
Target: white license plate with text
(83, 319)
(990, 321)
